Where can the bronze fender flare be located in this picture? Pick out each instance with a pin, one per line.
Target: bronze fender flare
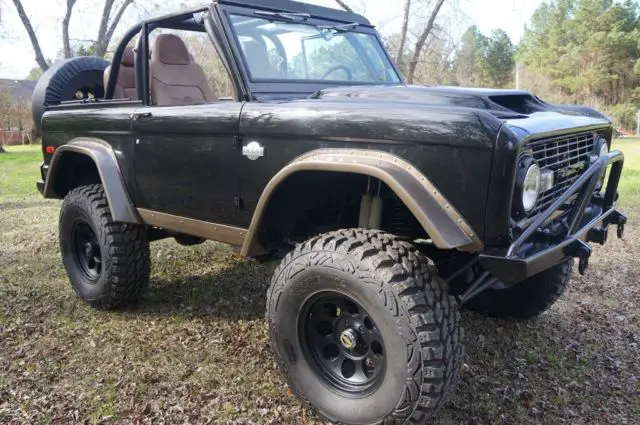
(442, 222)
(104, 158)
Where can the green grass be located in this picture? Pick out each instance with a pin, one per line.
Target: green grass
(630, 183)
(19, 171)
(196, 349)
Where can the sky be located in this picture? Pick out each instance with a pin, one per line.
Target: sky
(17, 57)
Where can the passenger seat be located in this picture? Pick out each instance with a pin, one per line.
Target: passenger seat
(126, 82)
(175, 78)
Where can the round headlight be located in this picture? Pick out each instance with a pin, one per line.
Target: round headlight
(604, 149)
(531, 187)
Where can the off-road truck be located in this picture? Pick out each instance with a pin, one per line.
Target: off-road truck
(391, 205)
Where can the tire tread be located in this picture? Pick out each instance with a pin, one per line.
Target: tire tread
(412, 291)
(128, 246)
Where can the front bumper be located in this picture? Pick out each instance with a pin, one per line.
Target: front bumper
(538, 249)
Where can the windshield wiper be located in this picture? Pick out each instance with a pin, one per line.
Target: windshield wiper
(345, 27)
(286, 15)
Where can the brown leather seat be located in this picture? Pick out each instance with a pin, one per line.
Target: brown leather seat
(126, 82)
(175, 78)
(258, 60)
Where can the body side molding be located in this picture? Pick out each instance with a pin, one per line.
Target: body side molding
(204, 229)
(104, 158)
(444, 224)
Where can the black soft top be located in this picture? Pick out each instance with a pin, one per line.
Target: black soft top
(297, 7)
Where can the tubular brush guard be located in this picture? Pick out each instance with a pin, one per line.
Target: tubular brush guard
(587, 221)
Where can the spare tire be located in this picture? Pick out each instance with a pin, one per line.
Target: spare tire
(75, 78)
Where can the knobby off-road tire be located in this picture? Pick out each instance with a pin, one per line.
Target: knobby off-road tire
(415, 317)
(526, 299)
(116, 272)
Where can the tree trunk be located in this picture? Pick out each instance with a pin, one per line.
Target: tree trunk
(344, 5)
(66, 45)
(42, 63)
(403, 36)
(104, 22)
(417, 51)
(108, 25)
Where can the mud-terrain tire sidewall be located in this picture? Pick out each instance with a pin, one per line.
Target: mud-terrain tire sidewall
(61, 81)
(124, 251)
(421, 335)
(75, 212)
(293, 296)
(527, 299)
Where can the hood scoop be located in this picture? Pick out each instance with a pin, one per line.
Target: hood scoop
(504, 104)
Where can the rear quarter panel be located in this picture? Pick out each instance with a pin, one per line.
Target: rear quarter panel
(111, 124)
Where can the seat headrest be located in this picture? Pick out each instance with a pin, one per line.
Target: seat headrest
(171, 50)
(258, 59)
(128, 57)
(253, 48)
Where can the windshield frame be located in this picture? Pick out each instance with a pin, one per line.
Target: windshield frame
(264, 88)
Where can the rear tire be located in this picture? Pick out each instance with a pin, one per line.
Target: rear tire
(378, 302)
(108, 263)
(526, 299)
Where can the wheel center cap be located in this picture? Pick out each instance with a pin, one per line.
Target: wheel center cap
(88, 249)
(349, 339)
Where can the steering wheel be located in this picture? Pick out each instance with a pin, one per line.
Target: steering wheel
(333, 69)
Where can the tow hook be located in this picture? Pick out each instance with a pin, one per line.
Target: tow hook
(621, 222)
(582, 251)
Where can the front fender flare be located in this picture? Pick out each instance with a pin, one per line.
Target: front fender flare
(442, 222)
(104, 158)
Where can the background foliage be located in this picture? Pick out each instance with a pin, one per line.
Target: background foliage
(586, 51)
(572, 51)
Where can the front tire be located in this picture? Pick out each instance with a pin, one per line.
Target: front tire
(366, 305)
(108, 263)
(527, 299)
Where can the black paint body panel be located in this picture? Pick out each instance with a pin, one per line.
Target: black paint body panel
(185, 161)
(452, 147)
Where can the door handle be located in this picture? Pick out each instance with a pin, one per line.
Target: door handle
(141, 115)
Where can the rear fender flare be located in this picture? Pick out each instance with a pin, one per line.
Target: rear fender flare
(104, 158)
(444, 224)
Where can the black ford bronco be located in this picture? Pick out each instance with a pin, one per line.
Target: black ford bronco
(286, 130)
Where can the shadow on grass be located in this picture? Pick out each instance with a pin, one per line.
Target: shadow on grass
(236, 293)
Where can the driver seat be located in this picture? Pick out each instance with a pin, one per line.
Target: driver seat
(126, 80)
(258, 60)
(175, 78)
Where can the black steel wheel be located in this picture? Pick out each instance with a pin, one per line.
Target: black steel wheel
(107, 262)
(87, 250)
(343, 342)
(362, 329)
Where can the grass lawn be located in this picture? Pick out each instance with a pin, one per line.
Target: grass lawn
(630, 185)
(195, 351)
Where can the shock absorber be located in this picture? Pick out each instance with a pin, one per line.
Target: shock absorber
(375, 215)
(365, 207)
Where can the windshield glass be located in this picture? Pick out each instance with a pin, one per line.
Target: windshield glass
(276, 50)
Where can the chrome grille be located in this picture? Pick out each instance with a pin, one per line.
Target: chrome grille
(568, 157)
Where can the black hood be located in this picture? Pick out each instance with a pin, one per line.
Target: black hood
(501, 102)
